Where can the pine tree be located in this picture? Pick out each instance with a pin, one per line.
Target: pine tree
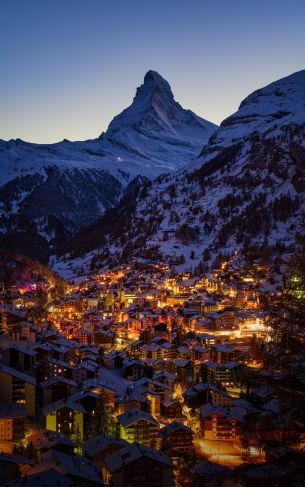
(287, 309)
(30, 450)
(102, 421)
(109, 300)
(165, 446)
(77, 439)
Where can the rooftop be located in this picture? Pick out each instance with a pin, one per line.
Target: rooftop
(131, 453)
(134, 415)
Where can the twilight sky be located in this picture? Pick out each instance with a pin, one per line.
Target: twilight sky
(68, 66)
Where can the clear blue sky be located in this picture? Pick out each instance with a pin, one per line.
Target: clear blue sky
(68, 66)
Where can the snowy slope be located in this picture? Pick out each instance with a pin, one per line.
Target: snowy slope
(157, 128)
(245, 192)
(54, 190)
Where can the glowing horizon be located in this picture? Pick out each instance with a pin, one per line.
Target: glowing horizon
(69, 67)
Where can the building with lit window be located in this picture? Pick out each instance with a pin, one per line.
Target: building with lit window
(18, 388)
(12, 419)
(177, 438)
(225, 373)
(137, 425)
(137, 465)
(220, 422)
(65, 417)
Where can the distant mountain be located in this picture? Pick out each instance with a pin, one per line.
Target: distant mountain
(51, 191)
(245, 193)
(155, 131)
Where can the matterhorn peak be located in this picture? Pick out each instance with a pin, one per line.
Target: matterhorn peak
(153, 105)
(154, 86)
(155, 115)
(155, 80)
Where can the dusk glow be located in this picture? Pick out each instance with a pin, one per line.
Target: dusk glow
(67, 67)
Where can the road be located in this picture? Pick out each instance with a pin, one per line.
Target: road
(225, 453)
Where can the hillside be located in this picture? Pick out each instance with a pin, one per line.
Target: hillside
(245, 192)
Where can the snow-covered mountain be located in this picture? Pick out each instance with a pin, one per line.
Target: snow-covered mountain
(245, 192)
(156, 130)
(53, 190)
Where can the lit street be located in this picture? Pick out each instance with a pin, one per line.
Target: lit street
(226, 453)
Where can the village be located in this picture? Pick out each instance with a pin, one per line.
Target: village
(143, 372)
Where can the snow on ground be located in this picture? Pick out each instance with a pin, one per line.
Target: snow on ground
(113, 379)
(77, 269)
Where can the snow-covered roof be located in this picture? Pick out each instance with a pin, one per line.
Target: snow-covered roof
(132, 453)
(98, 443)
(17, 373)
(73, 466)
(173, 427)
(134, 415)
(55, 406)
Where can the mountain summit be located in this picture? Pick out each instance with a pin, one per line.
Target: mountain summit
(154, 115)
(154, 93)
(153, 84)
